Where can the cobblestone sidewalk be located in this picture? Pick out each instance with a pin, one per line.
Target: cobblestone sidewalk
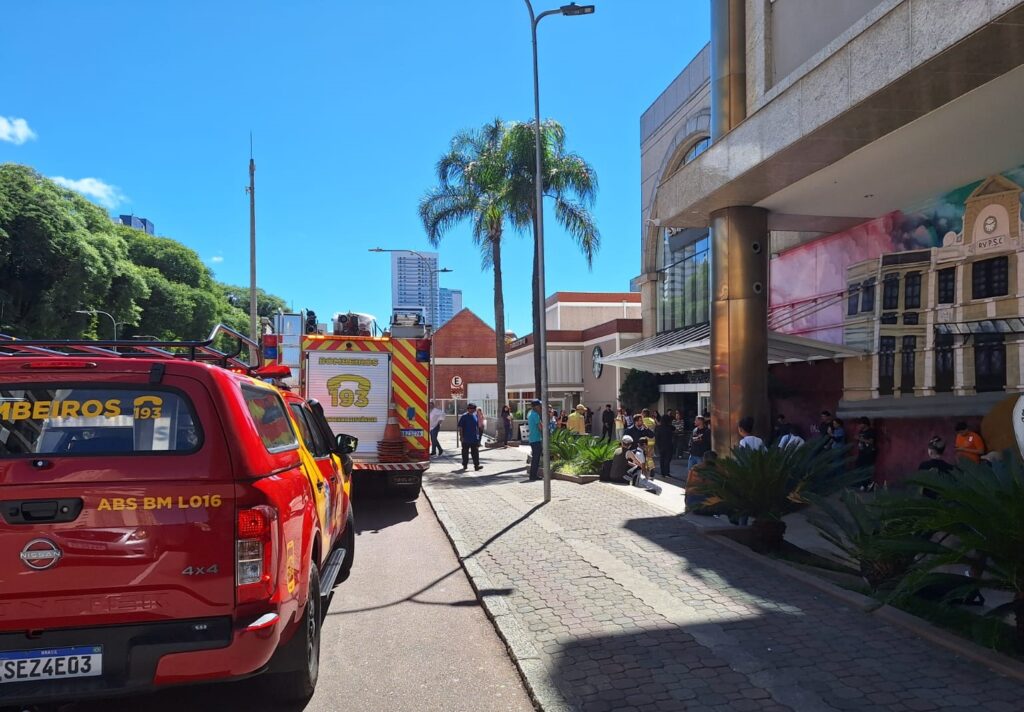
(609, 602)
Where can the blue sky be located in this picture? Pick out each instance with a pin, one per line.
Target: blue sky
(351, 104)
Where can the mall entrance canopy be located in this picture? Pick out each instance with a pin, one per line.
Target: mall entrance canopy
(690, 350)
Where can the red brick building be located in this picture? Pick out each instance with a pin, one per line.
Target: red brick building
(464, 350)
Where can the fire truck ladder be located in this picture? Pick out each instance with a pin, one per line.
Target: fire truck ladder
(203, 351)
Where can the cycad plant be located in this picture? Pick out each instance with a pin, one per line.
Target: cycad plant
(870, 539)
(766, 485)
(563, 445)
(592, 453)
(982, 511)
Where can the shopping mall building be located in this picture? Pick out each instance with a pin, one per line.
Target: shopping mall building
(831, 218)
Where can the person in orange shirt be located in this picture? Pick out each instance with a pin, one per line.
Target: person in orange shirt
(969, 444)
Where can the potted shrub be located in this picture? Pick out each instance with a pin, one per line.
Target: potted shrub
(982, 508)
(766, 485)
(872, 542)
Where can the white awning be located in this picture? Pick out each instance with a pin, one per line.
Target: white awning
(690, 350)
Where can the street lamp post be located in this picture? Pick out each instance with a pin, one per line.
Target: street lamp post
(540, 341)
(94, 312)
(433, 299)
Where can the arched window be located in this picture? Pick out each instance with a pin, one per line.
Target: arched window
(696, 149)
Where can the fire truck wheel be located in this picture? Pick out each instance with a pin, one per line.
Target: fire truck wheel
(347, 541)
(301, 656)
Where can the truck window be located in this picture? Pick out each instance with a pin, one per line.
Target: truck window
(268, 415)
(94, 420)
(310, 436)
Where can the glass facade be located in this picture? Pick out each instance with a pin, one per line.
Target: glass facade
(684, 287)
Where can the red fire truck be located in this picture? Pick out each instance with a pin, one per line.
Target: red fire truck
(372, 385)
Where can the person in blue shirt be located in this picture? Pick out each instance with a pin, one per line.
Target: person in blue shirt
(536, 435)
(470, 429)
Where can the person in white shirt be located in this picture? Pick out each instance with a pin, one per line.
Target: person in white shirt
(747, 438)
(436, 418)
(789, 438)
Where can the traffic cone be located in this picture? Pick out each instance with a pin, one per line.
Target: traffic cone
(392, 431)
(391, 447)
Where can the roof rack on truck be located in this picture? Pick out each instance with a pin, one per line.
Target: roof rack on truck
(204, 350)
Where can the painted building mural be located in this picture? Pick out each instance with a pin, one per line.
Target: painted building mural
(934, 297)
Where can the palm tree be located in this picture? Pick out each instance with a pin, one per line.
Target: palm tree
(567, 179)
(473, 186)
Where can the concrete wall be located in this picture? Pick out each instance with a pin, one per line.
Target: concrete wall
(577, 317)
(798, 29)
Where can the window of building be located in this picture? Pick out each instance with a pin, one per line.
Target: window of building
(911, 318)
(867, 298)
(908, 359)
(989, 362)
(947, 286)
(944, 368)
(990, 278)
(891, 291)
(697, 149)
(886, 365)
(853, 300)
(912, 291)
(684, 280)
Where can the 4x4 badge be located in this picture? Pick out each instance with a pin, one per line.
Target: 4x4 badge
(41, 554)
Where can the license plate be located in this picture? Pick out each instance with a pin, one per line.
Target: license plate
(51, 663)
(404, 479)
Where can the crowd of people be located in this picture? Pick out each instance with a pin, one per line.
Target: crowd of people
(649, 440)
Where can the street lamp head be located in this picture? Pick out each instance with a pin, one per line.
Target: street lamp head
(445, 270)
(87, 312)
(376, 249)
(572, 9)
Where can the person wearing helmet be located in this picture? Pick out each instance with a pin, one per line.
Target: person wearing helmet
(620, 463)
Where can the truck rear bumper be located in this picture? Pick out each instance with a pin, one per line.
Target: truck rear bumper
(391, 466)
(139, 658)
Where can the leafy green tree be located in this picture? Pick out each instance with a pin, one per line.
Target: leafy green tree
(473, 187)
(568, 181)
(58, 253)
(639, 389)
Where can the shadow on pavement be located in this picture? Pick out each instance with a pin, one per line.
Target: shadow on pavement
(374, 514)
(253, 695)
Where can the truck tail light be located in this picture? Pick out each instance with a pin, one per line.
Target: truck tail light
(255, 554)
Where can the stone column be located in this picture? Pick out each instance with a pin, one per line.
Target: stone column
(739, 322)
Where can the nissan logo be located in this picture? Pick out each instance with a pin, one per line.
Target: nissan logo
(41, 554)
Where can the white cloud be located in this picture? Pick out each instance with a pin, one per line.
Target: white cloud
(109, 196)
(15, 131)
(217, 259)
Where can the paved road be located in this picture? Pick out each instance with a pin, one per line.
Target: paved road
(615, 603)
(405, 632)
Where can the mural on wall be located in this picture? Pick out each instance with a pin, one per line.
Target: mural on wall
(809, 282)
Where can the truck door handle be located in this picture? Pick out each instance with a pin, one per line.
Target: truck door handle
(320, 485)
(36, 511)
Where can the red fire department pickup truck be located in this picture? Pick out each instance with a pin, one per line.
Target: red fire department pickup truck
(166, 517)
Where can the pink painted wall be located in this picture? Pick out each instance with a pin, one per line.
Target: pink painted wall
(817, 271)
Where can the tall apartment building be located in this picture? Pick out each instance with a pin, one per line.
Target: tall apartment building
(138, 223)
(414, 282)
(449, 303)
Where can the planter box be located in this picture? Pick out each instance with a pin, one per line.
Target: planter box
(578, 479)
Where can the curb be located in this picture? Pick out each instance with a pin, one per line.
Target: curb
(901, 619)
(521, 650)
